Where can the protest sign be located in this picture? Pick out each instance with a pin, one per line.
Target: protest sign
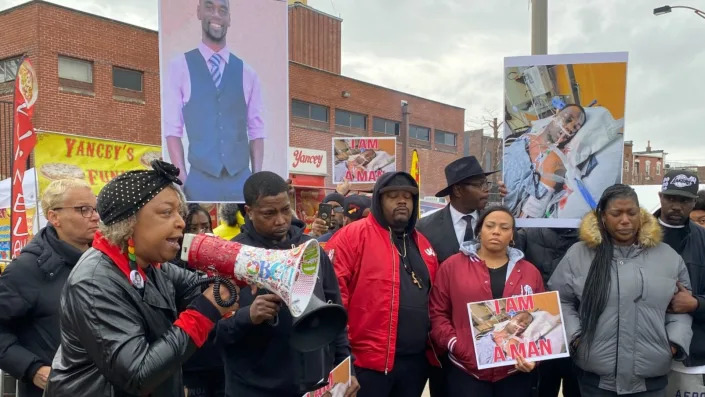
(97, 161)
(224, 69)
(5, 230)
(363, 159)
(338, 382)
(526, 325)
(563, 134)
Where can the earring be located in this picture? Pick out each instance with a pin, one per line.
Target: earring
(131, 250)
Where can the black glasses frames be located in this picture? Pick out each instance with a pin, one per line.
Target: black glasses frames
(85, 210)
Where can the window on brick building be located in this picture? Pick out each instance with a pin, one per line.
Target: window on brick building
(344, 118)
(445, 138)
(127, 79)
(647, 167)
(636, 167)
(420, 133)
(385, 126)
(75, 69)
(8, 68)
(658, 168)
(626, 165)
(309, 111)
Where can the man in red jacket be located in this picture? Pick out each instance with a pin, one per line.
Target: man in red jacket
(385, 269)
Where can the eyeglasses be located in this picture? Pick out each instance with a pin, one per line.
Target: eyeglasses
(484, 185)
(85, 210)
(338, 210)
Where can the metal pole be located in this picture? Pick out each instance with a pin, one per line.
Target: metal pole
(405, 135)
(539, 27)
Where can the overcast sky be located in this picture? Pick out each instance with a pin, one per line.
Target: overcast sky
(452, 51)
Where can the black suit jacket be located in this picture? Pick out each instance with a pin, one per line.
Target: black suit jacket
(438, 229)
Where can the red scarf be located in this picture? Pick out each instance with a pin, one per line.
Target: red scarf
(117, 256)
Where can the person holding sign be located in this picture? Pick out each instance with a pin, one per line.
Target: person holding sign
(488, 269)
(615, 288)
(217, 98)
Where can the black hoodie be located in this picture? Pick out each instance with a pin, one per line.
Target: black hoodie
(413, 320)
(258, 358)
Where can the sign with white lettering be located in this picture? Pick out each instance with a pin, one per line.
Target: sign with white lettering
(529, 325)
(308, 161)
(363, 159)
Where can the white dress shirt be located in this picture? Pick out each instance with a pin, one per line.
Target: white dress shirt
(459, 224)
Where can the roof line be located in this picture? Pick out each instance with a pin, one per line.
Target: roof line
(30, 2)
(302, 5)
(375, 85)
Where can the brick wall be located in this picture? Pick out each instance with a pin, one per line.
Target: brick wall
(44, 31)
(314, 38)
(49, 31)
(488, 151)
(655, 173)
(628, 163)
(316, 86)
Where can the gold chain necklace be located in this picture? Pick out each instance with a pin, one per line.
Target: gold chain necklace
(414, 279)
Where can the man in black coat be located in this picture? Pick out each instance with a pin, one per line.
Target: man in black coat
(679, 192)
(544, 248)
(31, 285)
(468, 191)
(259, 360)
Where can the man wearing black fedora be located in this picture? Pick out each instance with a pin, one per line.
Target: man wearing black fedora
(468, 190)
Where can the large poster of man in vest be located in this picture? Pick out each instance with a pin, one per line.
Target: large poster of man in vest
(224, 93)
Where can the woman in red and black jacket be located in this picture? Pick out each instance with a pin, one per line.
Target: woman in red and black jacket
(483, 270)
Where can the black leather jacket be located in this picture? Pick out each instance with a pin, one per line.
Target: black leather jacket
(114, 341)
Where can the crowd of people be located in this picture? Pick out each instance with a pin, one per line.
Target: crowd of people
(101, 304)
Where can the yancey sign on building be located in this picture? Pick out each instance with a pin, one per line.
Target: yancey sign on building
(307, 161)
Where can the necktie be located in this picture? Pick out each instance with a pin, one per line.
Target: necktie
(469, 235)
(214, 63)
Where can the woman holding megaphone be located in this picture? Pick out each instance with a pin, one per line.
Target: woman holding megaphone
(121, 334)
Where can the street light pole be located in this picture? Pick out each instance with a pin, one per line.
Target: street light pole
(539, 27)
(667, 9)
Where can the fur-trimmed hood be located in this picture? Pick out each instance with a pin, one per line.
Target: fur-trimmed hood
(650, 234)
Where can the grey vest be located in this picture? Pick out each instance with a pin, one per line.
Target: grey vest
(216, 118)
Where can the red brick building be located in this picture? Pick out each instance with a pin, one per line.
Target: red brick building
(97, 77)
(100, 77)
(648, 167)
(326, 104)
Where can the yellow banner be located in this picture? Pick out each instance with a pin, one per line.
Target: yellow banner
(5, 232)
(96, 161)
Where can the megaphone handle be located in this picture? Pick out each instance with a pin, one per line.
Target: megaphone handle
(274, 322)
(217, 281)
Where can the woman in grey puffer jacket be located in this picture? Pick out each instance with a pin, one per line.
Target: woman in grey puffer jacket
(615, 287)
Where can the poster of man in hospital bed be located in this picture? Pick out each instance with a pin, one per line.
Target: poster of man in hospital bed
(530, 326)
(563, 134)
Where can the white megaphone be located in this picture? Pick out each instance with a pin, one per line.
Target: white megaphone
(290, 274)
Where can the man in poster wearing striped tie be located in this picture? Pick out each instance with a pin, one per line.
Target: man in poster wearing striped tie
(216, 98)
